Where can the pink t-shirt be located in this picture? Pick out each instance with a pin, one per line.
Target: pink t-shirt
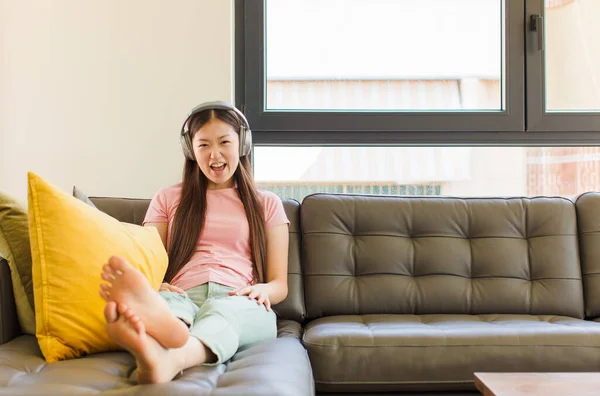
(223, 251)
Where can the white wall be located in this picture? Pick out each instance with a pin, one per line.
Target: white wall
(94, 92)
(3, 163)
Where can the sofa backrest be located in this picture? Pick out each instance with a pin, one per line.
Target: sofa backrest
(588, 221)
(127, 210)
(293, 306)
(431, 255)
(134, 210)
(9, 323)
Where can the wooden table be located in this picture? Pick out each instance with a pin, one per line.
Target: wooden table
(547, 384)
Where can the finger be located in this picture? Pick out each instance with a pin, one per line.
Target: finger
(268, 304)
(234, 292)
(243, 291)
(105, 287)
(253, 294)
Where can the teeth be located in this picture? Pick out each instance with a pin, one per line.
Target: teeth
(220, 164)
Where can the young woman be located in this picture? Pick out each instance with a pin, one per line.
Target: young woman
(227, 244)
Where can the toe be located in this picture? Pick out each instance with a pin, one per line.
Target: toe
(110, 312)
(128, 313)
(107, 269)
(118, 264)
(122, 308)
(138, 326)
(105, 296)
(107, 276)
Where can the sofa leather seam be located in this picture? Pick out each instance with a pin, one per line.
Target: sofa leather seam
(445, 274)
(393, 382)
(447, 346)
(438, 236)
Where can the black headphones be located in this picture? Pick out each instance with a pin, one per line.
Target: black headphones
(245, 132)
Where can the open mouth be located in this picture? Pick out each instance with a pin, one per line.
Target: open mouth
(218, 166)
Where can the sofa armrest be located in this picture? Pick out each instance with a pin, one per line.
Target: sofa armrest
(9, 324)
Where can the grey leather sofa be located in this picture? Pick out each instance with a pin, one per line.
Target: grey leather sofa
(387, 294)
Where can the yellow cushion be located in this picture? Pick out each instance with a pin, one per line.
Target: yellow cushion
(70, 241)
(14, 247)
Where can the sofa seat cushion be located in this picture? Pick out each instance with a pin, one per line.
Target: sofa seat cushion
(433, 352)
(278, 367)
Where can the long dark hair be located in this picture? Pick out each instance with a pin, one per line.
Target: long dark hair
(191, 212)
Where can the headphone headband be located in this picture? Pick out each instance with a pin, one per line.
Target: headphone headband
(216, 105)
(244, 132)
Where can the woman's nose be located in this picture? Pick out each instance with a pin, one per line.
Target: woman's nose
(215, 153)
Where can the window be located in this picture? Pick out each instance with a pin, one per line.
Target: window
(563, 66)
(419, 72)
(352, 57)
(433, 171)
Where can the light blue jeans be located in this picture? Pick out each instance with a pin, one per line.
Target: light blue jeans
(221, 322)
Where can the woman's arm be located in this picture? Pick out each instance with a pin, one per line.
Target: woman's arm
(275, 288)
(277, 262)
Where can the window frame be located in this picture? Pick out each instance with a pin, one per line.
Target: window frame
(537, 117)
(523, 92)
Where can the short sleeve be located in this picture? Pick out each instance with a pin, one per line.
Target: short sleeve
(157, 211)
(274, 212)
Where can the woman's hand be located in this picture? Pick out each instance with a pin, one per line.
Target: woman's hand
(171, 288)
(258, 292)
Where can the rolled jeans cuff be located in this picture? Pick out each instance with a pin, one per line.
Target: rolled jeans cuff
(217, 334)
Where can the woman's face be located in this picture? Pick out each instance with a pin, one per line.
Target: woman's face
(216, 147)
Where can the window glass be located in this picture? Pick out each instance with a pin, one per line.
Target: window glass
(295, 172)
(572, 57)
(383, 55)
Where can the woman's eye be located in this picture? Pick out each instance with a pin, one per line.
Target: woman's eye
(225, 141)
(202, 145)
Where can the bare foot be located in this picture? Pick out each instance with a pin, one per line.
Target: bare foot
(154, 365)
(129, 286)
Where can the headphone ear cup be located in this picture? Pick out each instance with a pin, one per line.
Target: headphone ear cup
(245, 141)
(186, 145)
